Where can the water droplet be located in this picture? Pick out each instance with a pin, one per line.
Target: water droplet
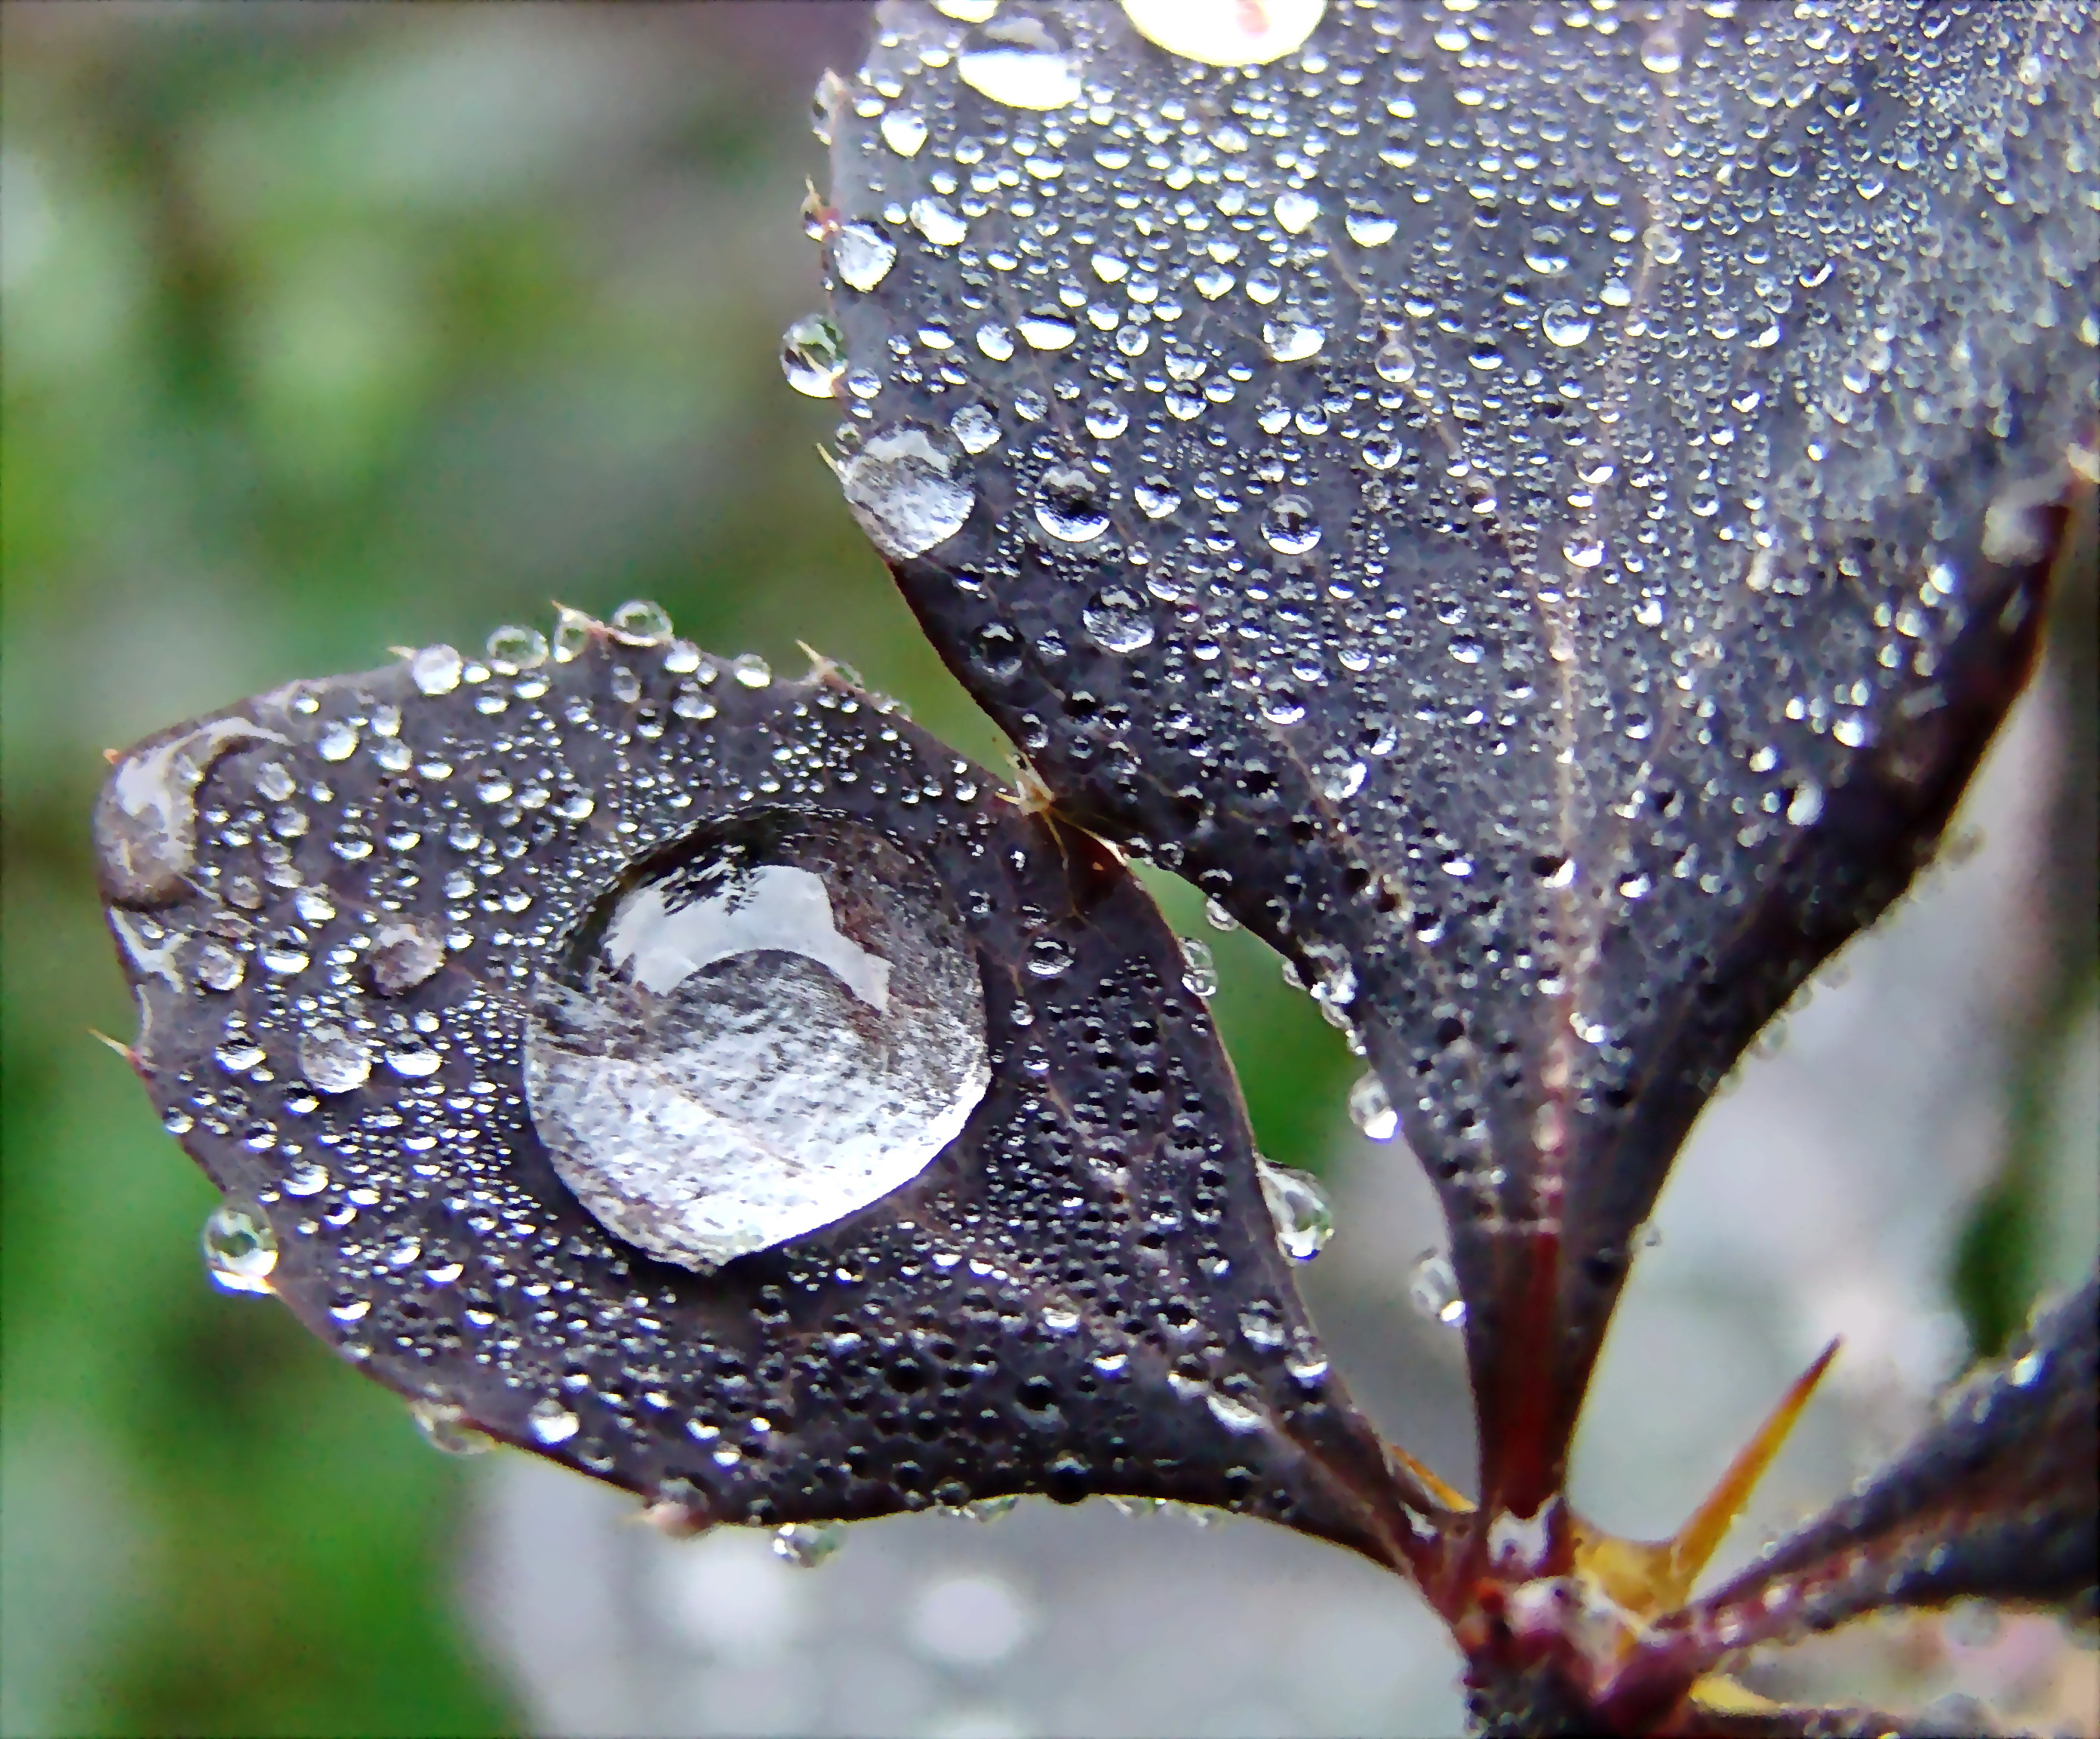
(1019, 61)
(1660, 54)
(939, 222)
(1465, 650)
(807, 1544)
(862, 256)
(1370, 1109)
(1236, 1416)
(1106, 419)
(1156, 498)
(333, 1060)
(975, 428)
(1433, 1291)
(240, 1249)
(1368, 226)
(1585, 549)
(1068, 507)
(812, 356)
(1199, 971)
(1046, 329)
(1289, 527)
(1218, 918)
(217, 967)
(1116, 622)
(1564, 324)
(1231, 33)
(772, 1023)
(1546, 252)
(1291, 339)
(904, 131)
(1049, 958)
(903, 485)
(1343, 780)
(514, 649)
(338, 741)
(1295, 211)
(551, 1423)
(751, 671)
(435, 670)
(2027, 1371)
(444, 1426)
(403, 955)
(1298, 1208)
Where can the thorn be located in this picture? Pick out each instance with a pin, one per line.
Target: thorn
(831, 464)
(113, 756)
(117, 1045)
(820, 667)
(1453, 1500)
(404, 652)
(1707, 1525)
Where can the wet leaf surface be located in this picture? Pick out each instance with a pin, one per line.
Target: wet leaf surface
(1998, 1499)
(1539, 521)
(387, 931)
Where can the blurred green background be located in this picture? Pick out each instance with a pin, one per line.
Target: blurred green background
(328, 329)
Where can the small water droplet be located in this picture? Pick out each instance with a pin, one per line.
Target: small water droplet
(551, 1423)
(1047, 329)
(1106, 419)
(1289, 528)
(1298, 1208)
(750, 670)
(1343, 780)
(768, 1025)
(807, 1544)
(517, 649)
(1546, 252)
(640, 622)
(338, 741)
(1295, 211)
(939, 222)
(1564, 324)
(1368, 226)
(904, 131)
(1237, 1416)
(1433, 1291)
(861, 255)
(2027, 1371)
(1218, 918)
(1199, 970)
(1370, 1109)
(1291, 339)
(435, 670)
(332, 1059)
(909, 487)
(1048, 957)
(812, 356)
(239, 1248)
(1805, 804)
(444, 1426)
(1116, 622)
(974, 428)
(1019, 61)
(1156, 498)
(1068, 506)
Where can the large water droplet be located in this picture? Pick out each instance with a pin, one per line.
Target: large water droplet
(862, 256)
(1020, 62)
(1068, 507)
(1564, 324)
(769, 1025)
(812, 356)
(435, 670)
(904, 131)
(903, 485)
(1295, 211)
(551, 1423)
(1047, 329)
(1199, 970)
(240, 1249)
(1226, 32)
(1291, 339)
(1298, 1207)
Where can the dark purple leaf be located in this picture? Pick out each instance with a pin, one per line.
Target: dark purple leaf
(1540, 521)
(950, 1179)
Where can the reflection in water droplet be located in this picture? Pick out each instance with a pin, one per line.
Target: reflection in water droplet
(1020, 62)
(1068, 507)
(1295, 211)
(334, 1060)
(1046, 329)
(903, 486)
(1116, 622)
(807, 1544)
(1433, 1291)
(240, 1249)
(904, 131)
(812, 356)
(1370, 1109)
(1298, 1207)
(862, 256)
(939, 222)
(769, 1025)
